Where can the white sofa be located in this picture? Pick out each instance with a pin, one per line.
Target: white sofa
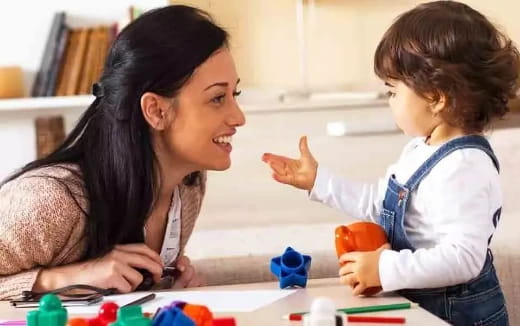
(247, 218)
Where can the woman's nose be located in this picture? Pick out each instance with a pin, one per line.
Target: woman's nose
(237, 117)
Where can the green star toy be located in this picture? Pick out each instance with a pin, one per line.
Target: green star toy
(50, 313)
(131, 316)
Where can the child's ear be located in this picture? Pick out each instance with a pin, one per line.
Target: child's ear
(156, 110)
(437, 106)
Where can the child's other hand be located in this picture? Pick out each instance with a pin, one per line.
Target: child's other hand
(361, 270)
(300, 173)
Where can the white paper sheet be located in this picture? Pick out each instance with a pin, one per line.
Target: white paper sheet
(216, 301)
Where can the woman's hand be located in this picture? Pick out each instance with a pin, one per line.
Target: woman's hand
(117, 269)
(299, 173)
(361, 269)
(188, 277)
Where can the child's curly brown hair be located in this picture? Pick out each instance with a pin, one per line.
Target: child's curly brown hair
(446, 48)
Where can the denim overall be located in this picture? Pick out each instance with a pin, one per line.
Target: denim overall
(478, 302)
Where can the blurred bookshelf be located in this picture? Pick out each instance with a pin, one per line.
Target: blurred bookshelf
(42, 104)
(74, 54)
(510, 120)
(73, 58)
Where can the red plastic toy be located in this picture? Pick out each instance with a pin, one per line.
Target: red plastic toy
(107, 315)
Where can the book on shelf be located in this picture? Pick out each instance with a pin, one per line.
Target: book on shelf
(88, 72)
(82, 64)
(50, 88)
(78, 61)
(50, 133)
(73, 58)
(66, 63)
(51, 47)
(99, 41)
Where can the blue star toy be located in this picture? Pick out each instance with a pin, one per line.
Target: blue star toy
(291, 268)
(172, 316)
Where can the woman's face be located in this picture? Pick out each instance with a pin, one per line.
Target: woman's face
(205, 116)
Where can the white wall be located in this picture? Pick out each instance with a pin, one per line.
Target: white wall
(342, 41)
(24, 26)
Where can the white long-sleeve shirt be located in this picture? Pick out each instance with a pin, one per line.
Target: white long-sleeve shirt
(449, 218)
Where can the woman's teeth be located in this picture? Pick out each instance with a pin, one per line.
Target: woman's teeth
(223, 140)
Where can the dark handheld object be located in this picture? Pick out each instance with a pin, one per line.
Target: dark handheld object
(147, 282)
(169, 275)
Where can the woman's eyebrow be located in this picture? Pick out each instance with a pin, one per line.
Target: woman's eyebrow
(221, 84)
(388, 84)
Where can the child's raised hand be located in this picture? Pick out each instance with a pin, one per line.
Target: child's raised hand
(300, 173)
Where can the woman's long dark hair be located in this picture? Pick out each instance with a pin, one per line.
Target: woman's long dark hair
(158, 52)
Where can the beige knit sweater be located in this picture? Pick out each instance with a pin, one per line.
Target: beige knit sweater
(42, 226)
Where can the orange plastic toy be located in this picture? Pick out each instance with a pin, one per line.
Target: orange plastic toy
(77, 322)
(360, 236)
(199, 314)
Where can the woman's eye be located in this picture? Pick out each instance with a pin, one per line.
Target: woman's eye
(390, 94)
(221, 98)
(218, 99)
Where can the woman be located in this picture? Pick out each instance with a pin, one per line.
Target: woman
(122, 194)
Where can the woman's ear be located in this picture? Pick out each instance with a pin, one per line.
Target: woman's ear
(155, 110)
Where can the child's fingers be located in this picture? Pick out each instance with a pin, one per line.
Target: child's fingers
(304, 147)
(359, 288)
(349, 279)
(278, 168)
(268, 157)
(349, 257)
(346, 269)
(285, 179)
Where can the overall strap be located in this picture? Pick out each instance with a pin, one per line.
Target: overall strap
(472, 141)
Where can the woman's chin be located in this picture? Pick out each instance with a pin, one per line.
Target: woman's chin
(220, 165)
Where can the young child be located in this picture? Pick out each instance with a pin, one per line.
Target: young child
(449, 72)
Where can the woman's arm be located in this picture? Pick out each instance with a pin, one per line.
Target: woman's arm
(40, 225)
(119, 269)
(41, 228)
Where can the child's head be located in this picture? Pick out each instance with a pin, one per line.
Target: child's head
(446, 62)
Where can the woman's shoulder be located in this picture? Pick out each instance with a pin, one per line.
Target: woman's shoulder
(42, 212)
(62, 171)
(58, 186)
